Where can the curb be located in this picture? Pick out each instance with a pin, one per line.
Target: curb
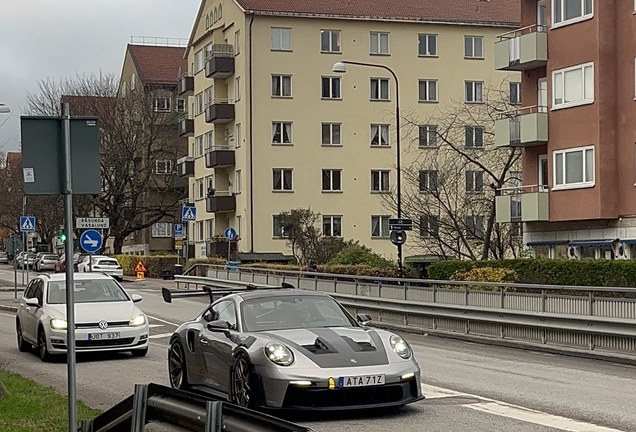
(526, 346)
(8, 308)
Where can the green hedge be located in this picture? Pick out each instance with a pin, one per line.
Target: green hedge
(154, 264)
(616, 273)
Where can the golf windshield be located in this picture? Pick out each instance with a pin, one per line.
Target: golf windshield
(87, 291)
(293, 312)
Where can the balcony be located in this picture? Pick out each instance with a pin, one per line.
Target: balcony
(186, 85)
(522, 127)
(522, 49)
(216, 247)
(185, 166)
(220, 111)
(186, 127)
(220, 202)
(219, 62)
(219, 157)
(522, 204)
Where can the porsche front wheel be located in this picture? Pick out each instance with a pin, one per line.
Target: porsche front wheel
(177, 366)
(243, 383)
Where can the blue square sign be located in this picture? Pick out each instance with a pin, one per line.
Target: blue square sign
(27, 224)
(188, 213)
(178, 230)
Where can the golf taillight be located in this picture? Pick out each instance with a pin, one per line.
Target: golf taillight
(96, 267)
(118, 267)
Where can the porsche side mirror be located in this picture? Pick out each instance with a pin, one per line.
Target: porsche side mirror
(32, 302)
(219, 326)
(363, 319)
(136, 298)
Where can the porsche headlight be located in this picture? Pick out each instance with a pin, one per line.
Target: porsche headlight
(58, 324)
(137, 321)
(400, 347)
(279, 354)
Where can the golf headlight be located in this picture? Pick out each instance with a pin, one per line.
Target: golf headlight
(279, 354)
(400, 347)
(58, 324)
(137, 321)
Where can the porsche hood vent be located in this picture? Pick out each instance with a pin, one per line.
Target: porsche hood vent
(320, 346)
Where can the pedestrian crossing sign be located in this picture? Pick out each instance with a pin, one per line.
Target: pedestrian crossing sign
(189, 213)
(27, 223)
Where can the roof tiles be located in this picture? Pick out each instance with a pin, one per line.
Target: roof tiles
(158, 64)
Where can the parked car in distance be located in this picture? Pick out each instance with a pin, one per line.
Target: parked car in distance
(4, 258)
(27, 260)
(18, 258)
(46, 262)
(78, 258)
(83, 265)
(109, 266)
(60, 265)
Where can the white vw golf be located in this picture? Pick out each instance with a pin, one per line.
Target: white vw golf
(106, 317)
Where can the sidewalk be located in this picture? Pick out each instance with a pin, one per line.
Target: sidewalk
(8, 302)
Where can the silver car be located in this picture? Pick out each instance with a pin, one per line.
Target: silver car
(46, 262)
(290, 349)
(4, 258)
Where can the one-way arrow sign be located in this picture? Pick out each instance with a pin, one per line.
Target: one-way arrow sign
(91, 241)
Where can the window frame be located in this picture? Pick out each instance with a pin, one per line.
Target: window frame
(331, 80)
(474, 175)
(331, 219)
(586, 183)
(380, 127)
(428, 181)
(281, 30)
(282, 173)
(155, 232)
(428, 82)
(516, 85)
(473, 142)
(280, 233)
(167, 166)
(383, 222)
(282, 128)
(478, 229)
(199, 189)
(331, 172)
(383, 176)
(473, 56)
(429, 129)
(281, 86)
(167, 102)
(331, 33)
(378, 46)
(474, 85)
(565, 22)
(427, 37)
(562, 72)
(380, 81)
(331, 142)
(425, 226)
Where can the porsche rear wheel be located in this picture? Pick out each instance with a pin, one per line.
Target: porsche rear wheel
(243, 383)
(177, 366)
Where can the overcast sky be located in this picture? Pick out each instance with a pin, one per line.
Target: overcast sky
(59, 38)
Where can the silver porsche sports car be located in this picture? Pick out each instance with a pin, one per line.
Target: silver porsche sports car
(286, 348)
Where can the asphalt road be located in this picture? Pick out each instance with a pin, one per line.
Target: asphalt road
(469, 387)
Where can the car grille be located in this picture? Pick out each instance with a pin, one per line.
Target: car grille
(103, 343)
(349, 397)
(96, 325)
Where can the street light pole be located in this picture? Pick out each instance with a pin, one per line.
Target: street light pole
(341, 68)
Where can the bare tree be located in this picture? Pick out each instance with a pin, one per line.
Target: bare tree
(452, 175)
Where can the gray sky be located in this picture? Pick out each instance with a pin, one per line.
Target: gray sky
(59, 38)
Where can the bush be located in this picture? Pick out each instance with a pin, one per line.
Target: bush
(485, 274)
(154, 264)
(357, 254)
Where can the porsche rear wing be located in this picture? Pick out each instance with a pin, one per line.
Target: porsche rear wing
(215, 290)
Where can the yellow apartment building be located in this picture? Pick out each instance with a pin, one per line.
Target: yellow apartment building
(271, 127)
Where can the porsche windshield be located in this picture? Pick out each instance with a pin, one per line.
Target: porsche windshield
(87, 291)
(292, 312)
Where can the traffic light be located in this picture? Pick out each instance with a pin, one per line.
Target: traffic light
(62, 236)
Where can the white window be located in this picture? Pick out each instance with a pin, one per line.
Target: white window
(198, 61)
(427, 91)
(239, 136)
(199, 148)
(208, 96)
(199, 189)
(330, 41)
(573, 86)
(331, 134)
(474, 136)
(278, 230)
(123, 86)
(199, 104)
(428, 136)
(474, 181)
(330, 88)
(239, 223)
(379, 89)
(474, 47)
(163, 167)
(181, 105)
(133, 80)
(237, 89)
(380, 226)
(209, 229)
(281, 39)
(574, 168)
(208, 141)
(238, 182)
(282, 179)
(281, 133)
(474, 91)
(237, 42)
(380, 180)
(332, 226)
(379, 43)
(428, 181)
(162, 229)
(281, 86)
(515, 93)
(427, 45)
(198, 231)
(570, 11)
(429, 226)
(380, 135)
(331, 180)
(208, 50)
(475, 226)
(209, 185)
(162, 104)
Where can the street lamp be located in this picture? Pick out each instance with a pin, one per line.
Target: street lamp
(397, 237)
(4, 109)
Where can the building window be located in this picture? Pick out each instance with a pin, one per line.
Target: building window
(198, 146)
(209, 184)
(330, 87)
(198, 61)
(238, 182)
(330, 41)
(281, 133)
(332, 226)
(474, 91)
(331, 180)
(379, 43)
(428, 91)
(428, 181)
(379, 226)
(379, 135)
(181, 105)
(570, 11)
(474, 47)
(198, 187)
(282, 179)
(209, 229)
(475, 226)
(281, 86)
(278, 230)
(208, 141)
(198, 231)
(573, 86)
(162, 229)
(237, 89)
(237, 42)
(474, 181)
(239, 136)
(427, 45)
(162, 104)
(281, 39)
(380, 180)
(515, 93)
(474, 136)
(379, 89)
(123, 86)
(133, 80)
(428, 136)
(199, 104)
(574, 168)
(208, 96)
(429, 226)
(331, 134)
(163, 167)
(239, 223)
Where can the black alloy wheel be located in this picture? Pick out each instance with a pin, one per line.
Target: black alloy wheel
(242, 388)
(177, 366)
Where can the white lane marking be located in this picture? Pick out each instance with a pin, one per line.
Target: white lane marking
(503, 409)
(163, 321)
(155, 325)
(10, 316)
(159, 336)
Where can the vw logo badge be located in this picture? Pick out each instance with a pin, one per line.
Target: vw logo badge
(103, 325)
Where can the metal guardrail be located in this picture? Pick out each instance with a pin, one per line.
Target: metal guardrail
(153, 403)
(593, 318)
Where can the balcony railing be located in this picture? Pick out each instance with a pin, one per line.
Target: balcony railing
(185, 166)
(186, 126)
(526, 126)
(522, 49)
(522, 204)
(186, 85)
(220, 202)
(219, 62)
(219, 156)
(220, 111)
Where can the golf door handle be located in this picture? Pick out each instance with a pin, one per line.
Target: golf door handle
(204, 341)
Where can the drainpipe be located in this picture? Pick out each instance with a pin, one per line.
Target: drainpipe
(251, 134)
